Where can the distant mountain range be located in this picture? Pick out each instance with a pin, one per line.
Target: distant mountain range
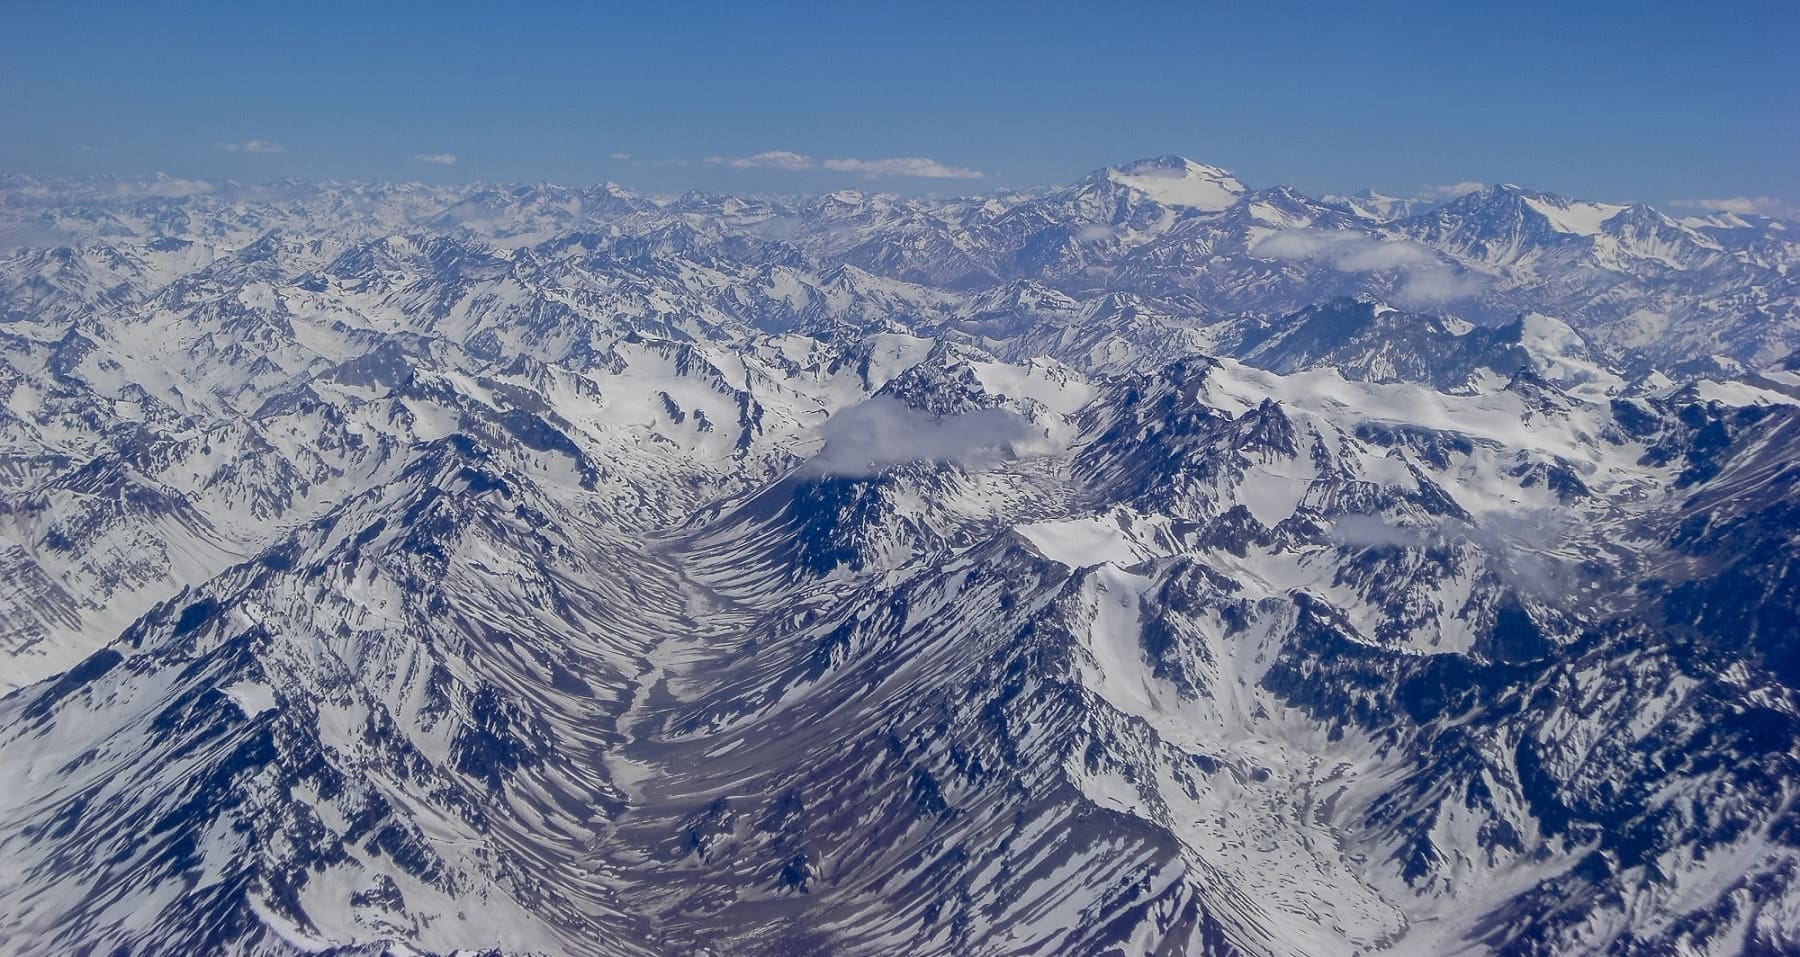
(1146, 566)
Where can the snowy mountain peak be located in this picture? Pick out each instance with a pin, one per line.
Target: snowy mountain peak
(1178, 181)
(1574, 216)
(1561, 214)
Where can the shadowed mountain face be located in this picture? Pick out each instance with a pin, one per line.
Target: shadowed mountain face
(1148, 566)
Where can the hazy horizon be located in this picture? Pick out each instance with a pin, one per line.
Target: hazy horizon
(1657, 104)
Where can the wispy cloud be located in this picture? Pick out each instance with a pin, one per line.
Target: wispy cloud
(915, 166)
(251, 146)
(1424, 278)
(769, 159)
(1344, 250)
(1518, 548)
(1434, 284)
(1743, 205)
(162, 186)
(903, 166)
(1449, 191)
(882, 431)
(436, 159)
(619, 156)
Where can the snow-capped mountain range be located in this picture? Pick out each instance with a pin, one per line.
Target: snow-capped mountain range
(1152, 565)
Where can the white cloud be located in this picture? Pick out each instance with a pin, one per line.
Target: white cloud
(251, 146)
(1435, 284)
(1375, 256)
(917, 166)
(1743, 205)
(1358, 530)
(619, 156)
(1299, 243)
(163, 186)
(1449, 191)
(25, 234)
(1425, 279)
(1519, 548)
(436, 159)
(1343, 250)
(903, 166)
(882, 431)
(769, 159)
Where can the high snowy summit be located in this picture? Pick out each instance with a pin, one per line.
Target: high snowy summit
(1176, 181)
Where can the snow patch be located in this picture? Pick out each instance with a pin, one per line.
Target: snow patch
(1581, 219)
(251, 697)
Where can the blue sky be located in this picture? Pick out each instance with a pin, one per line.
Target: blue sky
(1646, 101)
